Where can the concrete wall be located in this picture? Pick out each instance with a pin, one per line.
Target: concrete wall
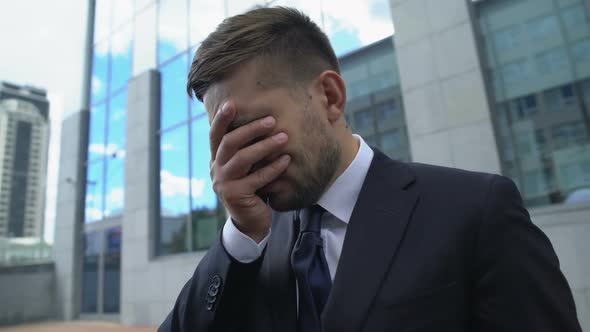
(445, 98)
(69, 217)
(28, 293)
(149, 284)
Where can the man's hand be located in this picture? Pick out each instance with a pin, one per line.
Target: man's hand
(231, 162)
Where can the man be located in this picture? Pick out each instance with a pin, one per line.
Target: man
(328, 234)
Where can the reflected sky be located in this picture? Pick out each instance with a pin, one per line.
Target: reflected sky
(94, 191)
(174, 172)
(174, 98)
(202, 193)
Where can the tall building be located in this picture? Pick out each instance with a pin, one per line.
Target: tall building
(499, 86)
(24, 140)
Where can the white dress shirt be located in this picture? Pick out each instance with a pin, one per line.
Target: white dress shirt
(338, 201)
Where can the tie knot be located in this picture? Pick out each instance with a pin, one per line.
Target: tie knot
(313, 222)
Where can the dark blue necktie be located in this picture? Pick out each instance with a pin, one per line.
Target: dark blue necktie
(311, 270)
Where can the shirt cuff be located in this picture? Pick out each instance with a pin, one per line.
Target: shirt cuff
(239, 245)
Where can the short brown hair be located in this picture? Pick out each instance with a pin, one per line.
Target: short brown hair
(276, 36)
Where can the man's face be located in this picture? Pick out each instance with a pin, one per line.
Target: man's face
(315, 152)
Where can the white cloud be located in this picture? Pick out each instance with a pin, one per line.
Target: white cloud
(93, 214)
(115, 199)
(172, 185)
(104, 150)
(370, 20)
(97, 85)
(167, 147)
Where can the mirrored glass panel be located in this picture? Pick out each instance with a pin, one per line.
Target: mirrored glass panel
(94, 191)
(206, 218)
(100, 71)
(204, 17)
(144, 54)
(172, 28)
(174, 191)
(102, 20)
(117, 123)
(97, 139)
(537, 61)
(122, 13)
(121, 57)
(90, 270)
(112, 270)
(174, 102)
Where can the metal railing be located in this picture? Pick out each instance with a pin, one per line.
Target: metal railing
(23, 251)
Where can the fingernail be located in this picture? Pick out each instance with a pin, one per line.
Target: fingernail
(285, 159)
(269, 121)
(225, 109)
(280, 137)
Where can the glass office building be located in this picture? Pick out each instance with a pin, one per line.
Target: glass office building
(496, 85)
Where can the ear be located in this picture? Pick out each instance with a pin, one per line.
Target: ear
(333, 92)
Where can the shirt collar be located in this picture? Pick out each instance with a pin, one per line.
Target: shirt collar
(340, 199)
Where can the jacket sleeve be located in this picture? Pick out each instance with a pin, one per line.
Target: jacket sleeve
(518, 283)
(217, 297)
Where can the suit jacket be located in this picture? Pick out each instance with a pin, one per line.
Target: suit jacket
(427, 248)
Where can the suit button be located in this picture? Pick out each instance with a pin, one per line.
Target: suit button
(216, 281)
(213, 291)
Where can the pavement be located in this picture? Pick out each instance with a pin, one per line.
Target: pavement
(76, 326)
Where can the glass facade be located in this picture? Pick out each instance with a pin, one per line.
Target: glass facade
(101, 271)
(537, 54)
(165, 34)
(111, 70)
(375, 104)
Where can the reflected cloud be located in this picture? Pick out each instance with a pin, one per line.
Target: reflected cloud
(97, 85)
(172, 185)
(167, 147)
(368, 20)
(106, 150)
(93, 214)
(115, 198)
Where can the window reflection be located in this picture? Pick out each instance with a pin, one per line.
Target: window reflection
(206, 218)
(115, 194)
(390, 140)
(102, 20)
(172, 29)
(112, 271)
(94, 191)
(174, 99)
(144, 41)
(97, 138)
(100, 66)
(122, 13)
(90, 272)
(544, 136)
(121, 57)
(174, 190)
(363, 119)
(205, 15)
(117, 116)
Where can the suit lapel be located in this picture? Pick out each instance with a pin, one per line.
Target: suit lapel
(374, 233)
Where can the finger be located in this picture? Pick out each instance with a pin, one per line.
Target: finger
(243, 135)
(219, 126)
(267, 174)
(243, 160)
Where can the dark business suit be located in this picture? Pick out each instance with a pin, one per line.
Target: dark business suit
(427, 249)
